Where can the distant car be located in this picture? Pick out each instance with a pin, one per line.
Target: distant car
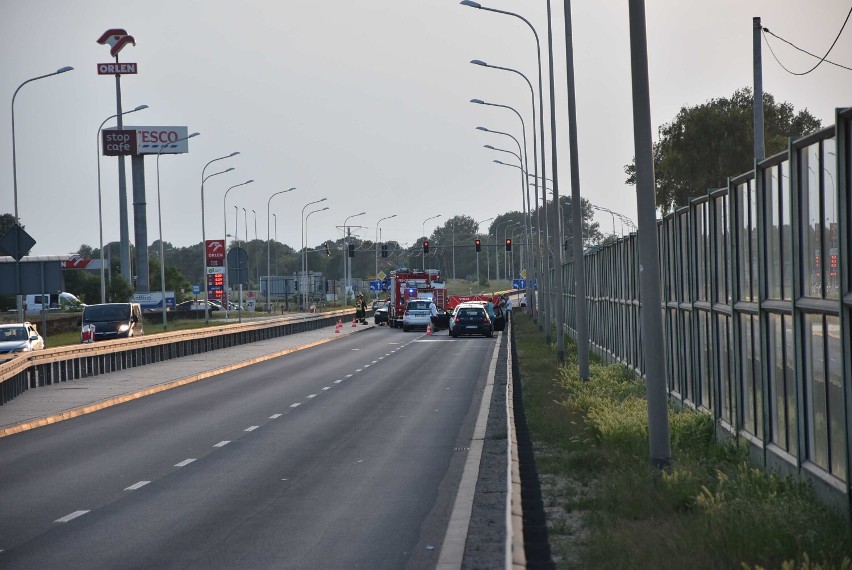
(380, 315)
(198, 306)
(19, 337)
(416, 315)
(379, 303)
(471, 318)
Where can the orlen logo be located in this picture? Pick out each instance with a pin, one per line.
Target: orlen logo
(117, 39)
(215, 249)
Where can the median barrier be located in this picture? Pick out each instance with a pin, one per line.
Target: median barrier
(64, 363)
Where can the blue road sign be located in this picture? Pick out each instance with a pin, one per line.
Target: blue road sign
(196, 289)
(375, 285)
(519, 283)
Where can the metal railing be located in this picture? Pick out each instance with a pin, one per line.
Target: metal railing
(757, 308)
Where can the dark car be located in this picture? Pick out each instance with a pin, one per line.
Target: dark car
(470, 318)
(107, 321)
(380, 314)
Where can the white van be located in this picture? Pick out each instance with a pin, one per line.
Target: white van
(35, 303)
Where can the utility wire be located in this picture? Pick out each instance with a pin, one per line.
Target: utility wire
(821, 59)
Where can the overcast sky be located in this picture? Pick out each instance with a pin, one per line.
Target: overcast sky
(365, 102)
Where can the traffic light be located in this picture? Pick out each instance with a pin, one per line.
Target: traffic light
(425, 247)
(327, 250)
(351, 250)
(384, 250)
(508, 244)
(478, 245)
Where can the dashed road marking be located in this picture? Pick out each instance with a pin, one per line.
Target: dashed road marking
(312, 396)
(71, 517)
(338, 381)
(185, 462)
(222, 443)
(359, 370)
(251, 428)
(349, 375)
(296, 405)
(327, 388)
(274, 416)
(138, 485)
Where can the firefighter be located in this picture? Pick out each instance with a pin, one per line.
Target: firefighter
(361, 309)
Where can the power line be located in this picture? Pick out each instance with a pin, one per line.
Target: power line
(821, 59)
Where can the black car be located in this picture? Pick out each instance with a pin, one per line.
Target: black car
(471, 318)
(380, 314)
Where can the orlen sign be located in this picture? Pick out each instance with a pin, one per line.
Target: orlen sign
(149, 140)
(215, 252)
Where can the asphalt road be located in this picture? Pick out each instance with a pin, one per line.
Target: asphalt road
(345, 455)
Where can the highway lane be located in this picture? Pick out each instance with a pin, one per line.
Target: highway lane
(344, 455)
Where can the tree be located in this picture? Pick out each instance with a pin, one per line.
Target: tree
(706, 144)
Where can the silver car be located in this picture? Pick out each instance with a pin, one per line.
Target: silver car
(19, 337)
(417, 314)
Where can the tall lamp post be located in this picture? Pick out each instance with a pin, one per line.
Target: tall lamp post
(304, 258)
(377, 243)
(15, 188)
(160, 223)
(347, 264)
(203, 233)
(225, 221)
(477, 253)
(307, 278)
(268, 245)
(423, 233)
(100, 208)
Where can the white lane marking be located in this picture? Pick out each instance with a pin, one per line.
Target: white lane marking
(251, 428)
(138, 485)
(394, 343)
(373, 362)
(296, 405)
(312, 396)
(71, 517)
(185, 462)
(338, 381)
(327, 388)
(382, 357)
(274, 416)
(359, 370)
(222, 443)
(356, 349)
(367, 365)
(349, 376)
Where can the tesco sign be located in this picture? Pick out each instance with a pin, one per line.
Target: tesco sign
(150, 140)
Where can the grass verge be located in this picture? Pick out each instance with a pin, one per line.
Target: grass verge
(607, 508)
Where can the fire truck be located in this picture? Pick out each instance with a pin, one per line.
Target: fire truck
(406, 284)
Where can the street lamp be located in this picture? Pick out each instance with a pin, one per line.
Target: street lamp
(304, 257)
(100, 209)
(268, 249)
(477, 253)
(377, 243)
(15, 189)
(160, 223)
(225, 221)
(307, 279)
(347, 263)
(423, 233)
(203, 234)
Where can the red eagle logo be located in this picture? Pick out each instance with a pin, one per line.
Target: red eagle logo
(117, 39)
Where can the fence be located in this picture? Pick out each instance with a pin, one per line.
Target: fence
(757, 308)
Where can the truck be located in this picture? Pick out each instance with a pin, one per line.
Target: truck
(407, 284)
(153, 301)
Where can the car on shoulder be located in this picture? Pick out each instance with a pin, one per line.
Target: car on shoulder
(471, 319)
(379, 303)
(380, 314)
(19, 337)
(416, 315)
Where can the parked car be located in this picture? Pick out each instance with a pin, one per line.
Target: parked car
(198, 306)
(379, 303)
(417, 314)
(19, 337)
(470, 318)
(380, 315)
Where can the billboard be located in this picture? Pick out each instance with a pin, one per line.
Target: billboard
(149, 140)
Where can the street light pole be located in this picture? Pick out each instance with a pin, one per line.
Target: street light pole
(268, 243)
(100, 208)
(225, 220)
(18, 292)
(160, 223)
(347, 268)
(423, 233)
(304, 257)
(203, 233)
(377, 244)
(307, 278)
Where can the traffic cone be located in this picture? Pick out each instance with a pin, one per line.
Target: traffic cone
(339, 323)
(337, 327)
(428, 330)
(354, 323)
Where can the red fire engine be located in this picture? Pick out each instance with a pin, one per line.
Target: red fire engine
(408, 284)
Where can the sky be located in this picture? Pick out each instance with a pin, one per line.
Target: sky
(362, 102)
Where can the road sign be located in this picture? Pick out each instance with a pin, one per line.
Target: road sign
(237, 266)
(196, 289)
(519, 283)
(381, 275)
(375, 285)
(524, 273)
(19, 248)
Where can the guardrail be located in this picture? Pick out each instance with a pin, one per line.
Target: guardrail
(61, 364)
